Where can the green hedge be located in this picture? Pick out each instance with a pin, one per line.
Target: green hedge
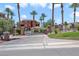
(42, 30)
(18, 31)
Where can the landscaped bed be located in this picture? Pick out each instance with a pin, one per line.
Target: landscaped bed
(66, 35)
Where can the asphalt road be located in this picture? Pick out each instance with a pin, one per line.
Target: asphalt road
(25, 39)
(42, 52)
(35, 45)
(32, 39)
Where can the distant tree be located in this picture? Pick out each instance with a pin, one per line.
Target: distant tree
(9, 13)
(6, 25)
(33, 13)
(43, 17)
(53, 14)
(18, 8)
(62, 15)
(41, 21)
(12, 14)
(66, 24)
(48, 23)
(74, 6)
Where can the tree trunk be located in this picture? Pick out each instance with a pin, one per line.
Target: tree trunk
(33, 20)
(52, 23)
(74, 18)
(33, 17)
(18, 7)
(62, 15)
(52, 14)
(7, 16)
(41, 23)
(11, 17)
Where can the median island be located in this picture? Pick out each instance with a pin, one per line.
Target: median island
(66, 35)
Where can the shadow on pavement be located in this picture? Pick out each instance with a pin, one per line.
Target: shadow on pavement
(14, 39)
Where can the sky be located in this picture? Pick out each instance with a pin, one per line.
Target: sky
(27, 8)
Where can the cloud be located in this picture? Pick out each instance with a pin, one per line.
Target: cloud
(23, 17)
(69, 3)
(9, 6)
(77, 20)
(58, 21)
(72, 16)
(23, 5)
(0, 10)
(39, 4)
(56, 6)
(43, 4)
(77, 14)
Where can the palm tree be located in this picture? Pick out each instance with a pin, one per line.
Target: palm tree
(62, 15)
(41, 20)
(52, 23)
(43, 17)
(52, 14)
(8, 11)
(33, 13)
(18, 8)
(66, 24)
(12, 14)
(74, 6)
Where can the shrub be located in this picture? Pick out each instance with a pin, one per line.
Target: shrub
(78, 28)
(1, 29)
(32, 30)
(36, 30)
(42, 30)
(18, 31)
(56, 31)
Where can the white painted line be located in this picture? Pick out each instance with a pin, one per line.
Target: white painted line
(37, 44)
(38, 47)
(21, 48)
(64, 46)
(60, 43)
(16, 45)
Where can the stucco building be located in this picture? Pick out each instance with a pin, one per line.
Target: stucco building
(2, 15)
(27, 25)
